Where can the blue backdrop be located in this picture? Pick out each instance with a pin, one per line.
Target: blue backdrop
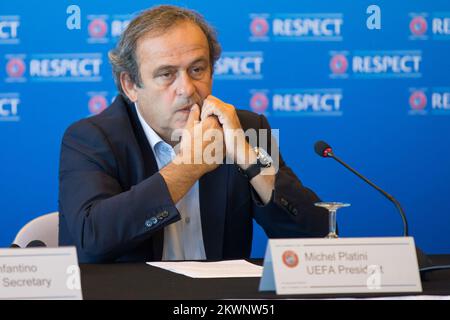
(380, 97)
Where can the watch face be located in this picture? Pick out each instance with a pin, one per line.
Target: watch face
(264, 158)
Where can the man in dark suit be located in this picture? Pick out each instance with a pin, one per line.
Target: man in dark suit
(131, 191)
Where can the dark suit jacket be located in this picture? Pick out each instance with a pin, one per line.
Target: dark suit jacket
(110, 189)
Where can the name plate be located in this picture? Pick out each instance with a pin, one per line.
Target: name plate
(40, 273)
(345, 265)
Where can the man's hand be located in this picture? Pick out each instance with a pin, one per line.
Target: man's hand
(200, 151)
(237, 147)
(202, 143)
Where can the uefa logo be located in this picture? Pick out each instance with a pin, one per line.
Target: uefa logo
(417, 100)
(15, 68)
(338, 64)
(259, 102)
(290, 259)
(418, 26)
(259, 27)
(97, 104)
(97, 28)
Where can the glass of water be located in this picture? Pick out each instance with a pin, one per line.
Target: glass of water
(332, 207)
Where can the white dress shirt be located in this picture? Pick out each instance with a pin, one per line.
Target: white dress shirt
(183, 240)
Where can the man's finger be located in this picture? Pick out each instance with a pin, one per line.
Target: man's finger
(210, 109)
(213, 99)
(212, 121)
(194, 115)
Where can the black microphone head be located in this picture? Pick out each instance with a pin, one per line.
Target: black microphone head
(322, 148)
(36, 243)
(13, 245)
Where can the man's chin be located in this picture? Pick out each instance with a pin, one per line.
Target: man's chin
(181, 120)
(180, 124)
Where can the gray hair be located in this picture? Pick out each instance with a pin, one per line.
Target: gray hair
(156, 21)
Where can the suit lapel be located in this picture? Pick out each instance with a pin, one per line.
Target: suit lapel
(213, 206)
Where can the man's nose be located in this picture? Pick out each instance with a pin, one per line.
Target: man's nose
(185, 85)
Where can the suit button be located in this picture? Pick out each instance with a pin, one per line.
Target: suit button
(148, 223)
(154, 220)
(165, 214)
(284, 202)
(294, 211)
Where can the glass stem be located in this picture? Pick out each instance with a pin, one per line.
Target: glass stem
(332, 224)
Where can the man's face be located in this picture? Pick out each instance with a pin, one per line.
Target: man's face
(176, 73)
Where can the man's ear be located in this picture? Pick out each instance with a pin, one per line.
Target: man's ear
(128, 86)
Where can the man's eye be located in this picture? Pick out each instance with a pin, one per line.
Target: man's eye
(165, 75)
(197, 71)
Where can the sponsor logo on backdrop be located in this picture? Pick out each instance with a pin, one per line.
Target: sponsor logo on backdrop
(9, 107)
(297, 102)
(376, 64)
(296, 27)
(103, 28)
(423, 101)
(239, 65)
(97, 104)
(339, 64)
(418, 100)
(9, 29)
(259, 102)
(290, 259)
(259, 27)
(15, 68)
(55, 67)
(98, 101)
(418, 27)
(97, 29)
(436, 24)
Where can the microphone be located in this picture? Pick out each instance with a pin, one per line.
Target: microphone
(324, 150)
(36, 243)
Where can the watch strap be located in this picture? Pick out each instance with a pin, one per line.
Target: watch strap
(251, 172)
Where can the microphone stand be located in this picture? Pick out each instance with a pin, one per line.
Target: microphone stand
(425, 263)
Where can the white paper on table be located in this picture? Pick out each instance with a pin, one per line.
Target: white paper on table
(219, 269)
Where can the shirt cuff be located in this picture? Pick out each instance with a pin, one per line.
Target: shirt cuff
(257, 200)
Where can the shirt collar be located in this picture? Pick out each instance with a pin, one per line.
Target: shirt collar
(152, 137)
